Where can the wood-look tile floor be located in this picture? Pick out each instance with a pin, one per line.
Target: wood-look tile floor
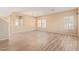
(40, 41)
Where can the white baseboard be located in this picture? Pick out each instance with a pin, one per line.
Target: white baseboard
(23, 31)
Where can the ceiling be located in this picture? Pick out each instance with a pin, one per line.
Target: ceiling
(32, 11)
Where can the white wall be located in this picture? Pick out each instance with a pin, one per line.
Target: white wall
(3, 29)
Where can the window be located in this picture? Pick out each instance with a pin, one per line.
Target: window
(42, 23)
(19, 21)
(69, 23)
(33, 22)
(39, 23)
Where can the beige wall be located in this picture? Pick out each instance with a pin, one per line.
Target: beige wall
(27, 23)
(55, 22)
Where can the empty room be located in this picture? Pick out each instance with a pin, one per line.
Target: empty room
(39, 29)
